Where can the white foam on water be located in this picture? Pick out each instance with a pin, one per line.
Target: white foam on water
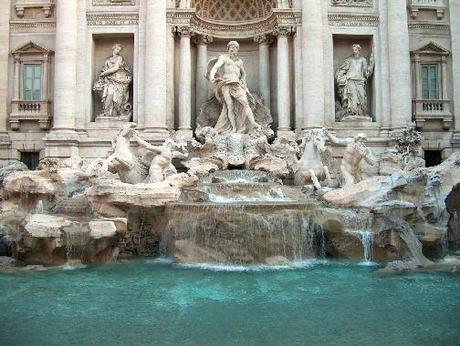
(301, 264)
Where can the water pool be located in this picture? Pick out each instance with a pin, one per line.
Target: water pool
(153, 303)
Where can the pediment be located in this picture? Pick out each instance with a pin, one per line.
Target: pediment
(431, 49)
(31, 48)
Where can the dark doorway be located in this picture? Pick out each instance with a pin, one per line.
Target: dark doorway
(30, 159)
(433, 158)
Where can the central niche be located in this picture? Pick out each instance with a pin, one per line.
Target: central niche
(234, 10)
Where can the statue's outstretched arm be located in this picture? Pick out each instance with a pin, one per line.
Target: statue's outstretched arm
(336, 140)
(146, 144)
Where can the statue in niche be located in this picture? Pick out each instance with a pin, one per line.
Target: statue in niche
(113, 83)
(351, 78)
(355, 151)
(229, 78)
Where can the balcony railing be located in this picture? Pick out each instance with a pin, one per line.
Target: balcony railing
(435, 5)
(30, 111)
(428, 110)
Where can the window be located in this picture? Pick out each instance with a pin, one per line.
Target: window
(433, 158)
(430, 81)
(30, 159)
(32, 83)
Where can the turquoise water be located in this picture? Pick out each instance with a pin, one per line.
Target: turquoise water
(151, 303)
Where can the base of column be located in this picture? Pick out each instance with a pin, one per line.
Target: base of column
(187, 133)
(284, 132)
(155, 134)
(456, 139)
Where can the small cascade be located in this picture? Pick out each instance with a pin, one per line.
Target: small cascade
(445, 243)
(322, 243)
(39, 207)
(367, 239)
(240, 233)
(75, 241)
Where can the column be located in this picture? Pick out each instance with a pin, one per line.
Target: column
(201, 70)
(283, 92)
(313, 63)
(4, 58)
(65, 76)
(185, 83)
(454, 9)
(399, 63)
(17, 77)
(444, 78)
(418, 85)
(264, 68)
(155, 79)
(384, 68)
(45, 79)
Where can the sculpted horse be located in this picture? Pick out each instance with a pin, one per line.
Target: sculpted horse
(310, 168)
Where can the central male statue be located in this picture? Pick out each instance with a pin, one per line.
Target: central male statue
(229, 79)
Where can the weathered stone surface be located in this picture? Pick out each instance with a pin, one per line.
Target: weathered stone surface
(102, 229)
(46, 226)
(11, 167)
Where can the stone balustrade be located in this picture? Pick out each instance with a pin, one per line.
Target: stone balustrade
(30, 111)
(424, 110)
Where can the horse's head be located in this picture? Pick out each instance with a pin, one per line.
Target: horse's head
(317, 137)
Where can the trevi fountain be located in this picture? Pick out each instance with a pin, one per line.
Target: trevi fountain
(242, 225)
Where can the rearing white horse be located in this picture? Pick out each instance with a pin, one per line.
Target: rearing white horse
(310, 168)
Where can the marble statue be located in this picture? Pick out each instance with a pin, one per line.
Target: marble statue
(161, 165)
(229, 78)
(355, 151)
(351, 78)
(134, 168)
(310, 167)
(113, 83)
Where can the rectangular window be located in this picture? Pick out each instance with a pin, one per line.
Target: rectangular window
(430, 81)
(31, 159)
(32, 83)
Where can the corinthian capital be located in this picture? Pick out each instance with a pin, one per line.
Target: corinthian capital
(264, 39)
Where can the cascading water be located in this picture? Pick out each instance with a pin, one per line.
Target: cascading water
(39, 207)
(248, 218)
(366, 238)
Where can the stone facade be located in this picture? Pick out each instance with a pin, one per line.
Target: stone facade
(52, 52)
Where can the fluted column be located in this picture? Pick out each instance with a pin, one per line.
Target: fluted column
(399, 62)
(185, 83)
(201, 69)
(283, 91)
(264, 42)
(313, 63)
(454, 10)
(65, 75)
(155, 80)
(4, 55)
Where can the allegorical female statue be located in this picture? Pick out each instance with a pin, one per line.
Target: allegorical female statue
(113, 83)
(352, 77)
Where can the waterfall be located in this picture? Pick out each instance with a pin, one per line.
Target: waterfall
(367, 240)
(39, 207)
(75, 242)
(241, 233)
